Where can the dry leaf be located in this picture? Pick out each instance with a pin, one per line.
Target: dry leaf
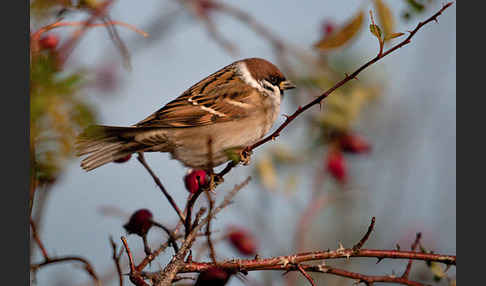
(341, 36)
(385, 17)
(393, 36)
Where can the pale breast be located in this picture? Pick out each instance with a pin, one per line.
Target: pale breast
(191, 144)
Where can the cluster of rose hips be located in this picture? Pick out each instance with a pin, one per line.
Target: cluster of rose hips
(344, 143)
(142, 220)
(240, 238)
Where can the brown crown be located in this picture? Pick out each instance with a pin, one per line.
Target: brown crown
(262, 69)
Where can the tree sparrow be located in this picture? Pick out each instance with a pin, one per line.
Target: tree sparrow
(233, 108)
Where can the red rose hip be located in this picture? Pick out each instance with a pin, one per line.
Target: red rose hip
(195, 180)
(49, 42)
(354, 144)
(214, 276)
(336, 165)
(242, 240)
(140, 222)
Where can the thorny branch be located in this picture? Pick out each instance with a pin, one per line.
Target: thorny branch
(98, 13)
(360, 244)
(52, 260)
(154, 254)
(141, 159)
(42, 30)
(135, 276)
(212, 252)
(35, 235)
(360, 278)
(166, 276)
(295, 262)
(189, 207)
(172, 237)
(306, 275)
(263, 263)
(349, 77)
(116, 259)
(414, 246)
(87, 266)
(208, 192)
(170, 271)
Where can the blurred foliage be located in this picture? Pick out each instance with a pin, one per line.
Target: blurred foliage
(385, 16)
(57, 113)
(342, 109)
(414, 8)
(57, 109)
(337, 116)
(341, 37)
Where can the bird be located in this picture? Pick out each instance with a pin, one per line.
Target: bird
(230, 109)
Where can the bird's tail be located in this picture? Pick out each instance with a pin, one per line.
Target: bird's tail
(105, 144)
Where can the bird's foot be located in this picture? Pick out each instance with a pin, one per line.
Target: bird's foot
(245, 156)
(216, 179)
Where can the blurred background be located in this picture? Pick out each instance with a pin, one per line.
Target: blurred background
(312, 189)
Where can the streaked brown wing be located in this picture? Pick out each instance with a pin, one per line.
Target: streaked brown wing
(207, 102)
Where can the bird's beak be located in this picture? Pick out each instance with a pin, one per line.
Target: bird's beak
(287, 84)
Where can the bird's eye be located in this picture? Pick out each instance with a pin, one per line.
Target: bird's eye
(267, 86)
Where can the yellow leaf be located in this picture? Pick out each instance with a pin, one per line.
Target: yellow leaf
(342, 36)
(343, 109)
(267, 173)
(385, 17)
(283, 155)
(437, 270)
(334, 121)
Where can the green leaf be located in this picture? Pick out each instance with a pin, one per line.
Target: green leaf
(233, 154)
(375, 30)
(82, 114)
(418, 7)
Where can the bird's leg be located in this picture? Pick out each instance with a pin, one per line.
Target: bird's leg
(243, 156)
(214, 179)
